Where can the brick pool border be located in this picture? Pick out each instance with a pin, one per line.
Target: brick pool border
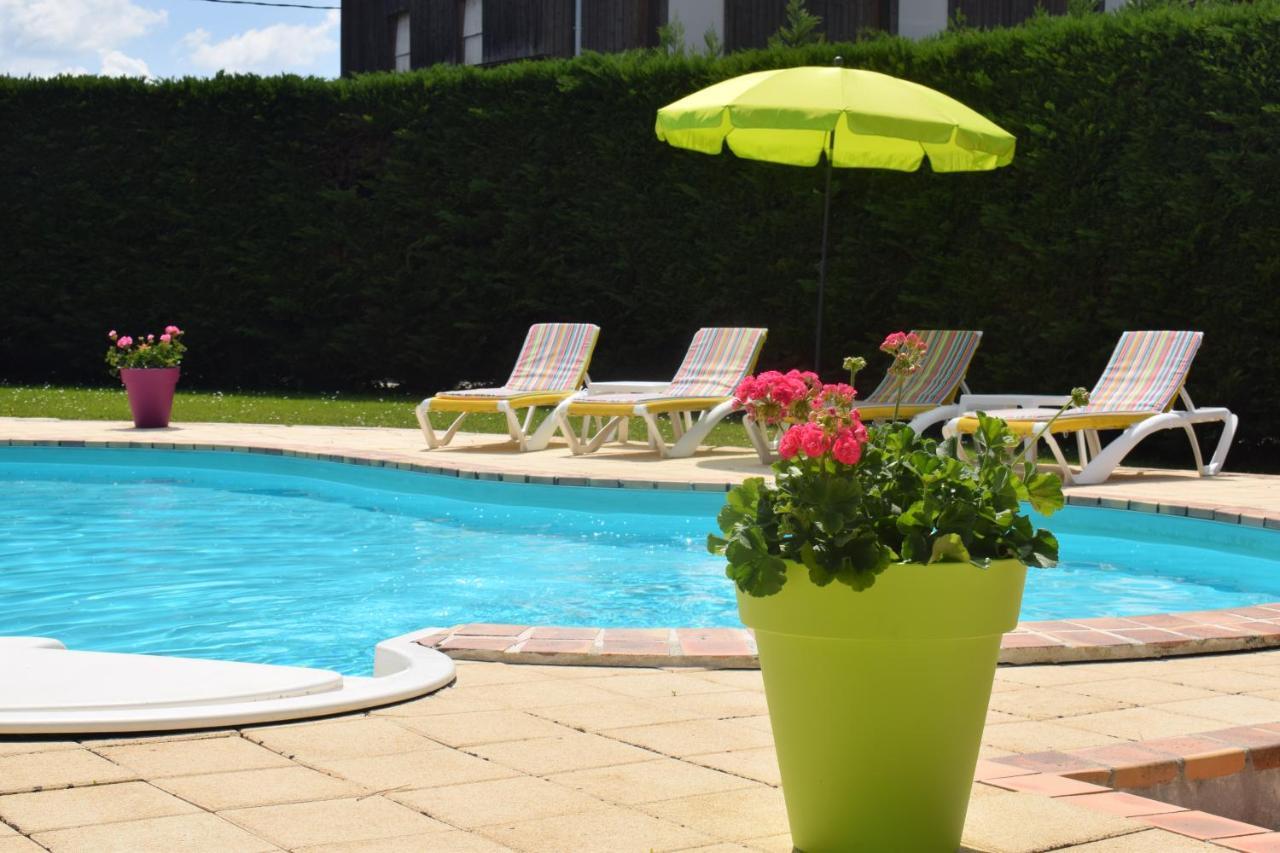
(1057, 641)
(1088, 778)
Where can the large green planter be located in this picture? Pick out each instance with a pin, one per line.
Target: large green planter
(877, 699)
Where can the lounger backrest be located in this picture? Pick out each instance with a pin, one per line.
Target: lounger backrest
(717, 362)
(1145, 372)
(946, 361)
(554, 357)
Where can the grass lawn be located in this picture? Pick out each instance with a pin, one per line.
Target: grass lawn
(109, 404)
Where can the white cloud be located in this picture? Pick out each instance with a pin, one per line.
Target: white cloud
(117, 64)
(47, 37)
(74, 24)
(273, 49)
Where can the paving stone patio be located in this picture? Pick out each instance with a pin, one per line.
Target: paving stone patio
(563, 758)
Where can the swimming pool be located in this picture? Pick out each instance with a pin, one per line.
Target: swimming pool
(295, 561)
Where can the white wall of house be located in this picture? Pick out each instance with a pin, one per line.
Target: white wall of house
(698, 16)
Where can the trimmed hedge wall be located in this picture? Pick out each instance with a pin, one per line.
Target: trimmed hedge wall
(326, 234)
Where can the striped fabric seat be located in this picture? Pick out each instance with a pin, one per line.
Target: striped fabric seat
(716, 362)
(946, 361)
(1146, 372)
(553, 359)
(1144, 376)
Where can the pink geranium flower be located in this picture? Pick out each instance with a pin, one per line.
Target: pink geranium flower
(124, 342)
(165, 338)
(172, 330)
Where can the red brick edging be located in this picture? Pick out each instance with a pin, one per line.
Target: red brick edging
(1058, 641)
(1088, 777)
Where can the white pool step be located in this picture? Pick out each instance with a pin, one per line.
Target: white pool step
(49, 689)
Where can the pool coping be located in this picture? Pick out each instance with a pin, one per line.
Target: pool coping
(1038, 642)
(1091, 778)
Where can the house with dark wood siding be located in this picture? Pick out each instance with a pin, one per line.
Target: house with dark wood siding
(387, 35)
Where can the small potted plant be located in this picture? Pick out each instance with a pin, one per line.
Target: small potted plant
(148, 367)
(879, 571)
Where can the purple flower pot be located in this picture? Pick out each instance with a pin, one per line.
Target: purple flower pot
(150, 394)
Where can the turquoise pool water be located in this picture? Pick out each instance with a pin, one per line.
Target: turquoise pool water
(284, 560)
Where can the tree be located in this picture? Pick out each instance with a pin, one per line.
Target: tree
(801, 27)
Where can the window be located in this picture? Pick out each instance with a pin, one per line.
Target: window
(472, 32)
(400, 41)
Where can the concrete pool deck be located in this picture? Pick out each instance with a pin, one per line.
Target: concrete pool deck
(537, 758)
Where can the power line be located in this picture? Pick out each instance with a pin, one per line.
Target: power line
(261, 3)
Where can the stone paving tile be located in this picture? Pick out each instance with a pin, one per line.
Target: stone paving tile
(694, 737)
(772, 844)
(187, 757)
(454, 841)
(657, 684)
(1138, 691)
(354, 738)
(420, 769)
(20, 747)
(266, 787)
(1142, 723)
(301, 824)
(1226, 680)
(447, 701)
(571, 751)
(600, 716)
(540, 694)
(479, 674)
(1040, 736)
(1149, 841)
(739, 679)
(482, 727)
(19, 844)
(1043, 703)
(1237, 710)
(735, 815)
(58, 769)
(1025, 823)
(67, 807)
(1047, 676)
(649, 781)
(610, 829)
(194, 833)
(759, 764)
(736, 703)
(497, 801)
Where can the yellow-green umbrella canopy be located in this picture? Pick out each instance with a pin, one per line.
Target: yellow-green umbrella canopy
(865, 119)
(857, 118)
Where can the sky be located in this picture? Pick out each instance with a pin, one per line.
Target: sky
(165, 38)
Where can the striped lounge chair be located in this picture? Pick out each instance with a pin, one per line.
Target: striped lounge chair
(698, 398)
(551, 367)
(1146, 374)
(937, 382)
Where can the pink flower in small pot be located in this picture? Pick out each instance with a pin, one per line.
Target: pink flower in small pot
(124, 342)
(165, 338)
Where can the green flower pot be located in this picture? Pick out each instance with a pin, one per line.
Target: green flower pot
(877, 699)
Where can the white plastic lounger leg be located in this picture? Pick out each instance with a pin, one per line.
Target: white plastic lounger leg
(541, 437)
(1057, 455)
(423, 411)
(656, 441)
(759, 441)
(513, 424)
(1114, 453)
(688, 443)
(560, 418)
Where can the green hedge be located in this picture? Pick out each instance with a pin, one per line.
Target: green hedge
(327, 234)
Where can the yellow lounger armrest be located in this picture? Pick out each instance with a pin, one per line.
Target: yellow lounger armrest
(445, 403)
(1066, 423)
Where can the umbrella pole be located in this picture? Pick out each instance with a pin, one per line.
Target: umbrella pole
(822, 262)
